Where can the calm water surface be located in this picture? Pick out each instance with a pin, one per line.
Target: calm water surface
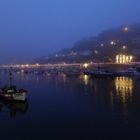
(60, 107)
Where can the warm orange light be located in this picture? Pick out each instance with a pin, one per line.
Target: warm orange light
(86, 65)
(131, 58)
(124, 88)
(123, 59)
(86, 79)
(126, 29)
(37, 64)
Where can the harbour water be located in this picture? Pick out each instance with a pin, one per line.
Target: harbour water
(61, 107)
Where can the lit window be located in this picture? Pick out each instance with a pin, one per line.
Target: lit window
(122, 59)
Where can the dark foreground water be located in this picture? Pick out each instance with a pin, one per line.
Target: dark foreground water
(60, 107)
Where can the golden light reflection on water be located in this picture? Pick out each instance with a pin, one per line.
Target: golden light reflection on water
(85, 79)
(124, 88)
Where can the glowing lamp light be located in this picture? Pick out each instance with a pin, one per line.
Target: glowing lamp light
(124, 59)
(86, 79)
(86, 65)
(117, 59)
(126, 29)
(37, 64)
(131, 58)
(112, 43)
(124, 47)
(127, 58)
(96, 52)
(102, 45)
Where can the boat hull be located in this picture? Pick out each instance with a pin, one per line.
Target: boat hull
(19, 96)
(14, 96)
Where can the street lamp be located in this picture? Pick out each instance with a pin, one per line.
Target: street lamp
(124, 47)
(113, 43)
(86, 65)
(126, 29)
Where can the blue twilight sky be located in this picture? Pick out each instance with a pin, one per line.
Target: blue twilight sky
(33, 28)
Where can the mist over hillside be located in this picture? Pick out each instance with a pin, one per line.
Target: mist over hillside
(101, 48)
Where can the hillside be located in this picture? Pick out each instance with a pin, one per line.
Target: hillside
(103, 48)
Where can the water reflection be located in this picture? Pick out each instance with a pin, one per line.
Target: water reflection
(124, 94)
(124, 88)
(67, 104)
(115, 94)
(85, 79)
(13, 107)
(64, 77)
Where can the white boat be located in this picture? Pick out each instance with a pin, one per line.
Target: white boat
(12, 93)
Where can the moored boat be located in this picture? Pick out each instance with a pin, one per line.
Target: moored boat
(99, 73)
(102, 74)
(73, 73)
(130, 72)
(12, 93)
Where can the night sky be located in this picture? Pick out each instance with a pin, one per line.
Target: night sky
(33, 28)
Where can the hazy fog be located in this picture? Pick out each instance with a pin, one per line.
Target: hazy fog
(32, 28)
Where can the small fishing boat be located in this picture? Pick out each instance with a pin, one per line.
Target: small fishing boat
(11, 92)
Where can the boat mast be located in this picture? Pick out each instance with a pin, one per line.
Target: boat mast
(10, 76)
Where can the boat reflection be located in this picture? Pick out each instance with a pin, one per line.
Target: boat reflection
(124, 88)
(13, 107)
